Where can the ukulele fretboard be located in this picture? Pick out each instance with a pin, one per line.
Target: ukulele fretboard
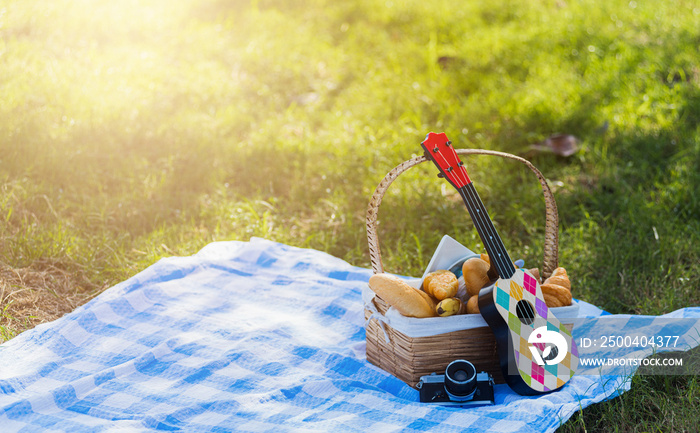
(489, 236)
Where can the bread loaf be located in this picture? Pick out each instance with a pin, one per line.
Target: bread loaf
(473, 305)
(397, 293)
(475, 273)
(441, 284)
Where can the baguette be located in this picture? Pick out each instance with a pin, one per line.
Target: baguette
(397, 293)
(429, 299)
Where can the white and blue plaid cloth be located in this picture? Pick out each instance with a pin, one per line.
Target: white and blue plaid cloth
(243, 336)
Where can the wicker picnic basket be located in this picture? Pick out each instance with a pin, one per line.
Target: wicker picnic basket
(409, 358)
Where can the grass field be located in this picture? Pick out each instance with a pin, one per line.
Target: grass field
(134, 130)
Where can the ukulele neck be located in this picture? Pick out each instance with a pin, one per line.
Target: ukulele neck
(487, 232)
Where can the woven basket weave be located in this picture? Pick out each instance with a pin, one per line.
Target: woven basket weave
(410, 358)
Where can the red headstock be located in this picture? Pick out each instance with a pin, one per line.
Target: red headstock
(438, 148)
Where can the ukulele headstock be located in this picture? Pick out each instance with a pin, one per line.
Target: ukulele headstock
(438, 148)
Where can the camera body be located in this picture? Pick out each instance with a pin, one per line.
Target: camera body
(461, 385)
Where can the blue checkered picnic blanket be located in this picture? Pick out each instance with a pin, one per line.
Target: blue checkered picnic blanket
(243, 336)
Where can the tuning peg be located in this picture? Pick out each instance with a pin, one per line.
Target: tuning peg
(441, 176)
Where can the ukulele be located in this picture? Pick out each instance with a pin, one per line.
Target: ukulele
(537, 353)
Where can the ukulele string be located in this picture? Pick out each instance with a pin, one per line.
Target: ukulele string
(499, 253)
(490, 240)
(446, 164)
(460, 165)
(490, 236)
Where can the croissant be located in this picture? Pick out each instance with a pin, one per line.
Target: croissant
(560, 278)
(555, 295)
(559, 272)
(559, 281)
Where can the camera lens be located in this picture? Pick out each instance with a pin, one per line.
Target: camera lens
(460, 375)
(460, 380)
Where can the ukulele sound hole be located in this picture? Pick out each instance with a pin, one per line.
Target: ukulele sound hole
(552, 354)
(525, 312)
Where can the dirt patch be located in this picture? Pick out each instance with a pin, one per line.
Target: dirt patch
(38, 294)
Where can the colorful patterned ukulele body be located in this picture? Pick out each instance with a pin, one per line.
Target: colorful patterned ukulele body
(536, 352)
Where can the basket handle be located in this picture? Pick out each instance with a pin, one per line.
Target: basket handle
(551, 234)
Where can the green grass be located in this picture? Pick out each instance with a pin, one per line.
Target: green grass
(654, 403)
(131, 131)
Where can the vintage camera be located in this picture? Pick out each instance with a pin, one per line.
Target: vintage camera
(461, 385)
